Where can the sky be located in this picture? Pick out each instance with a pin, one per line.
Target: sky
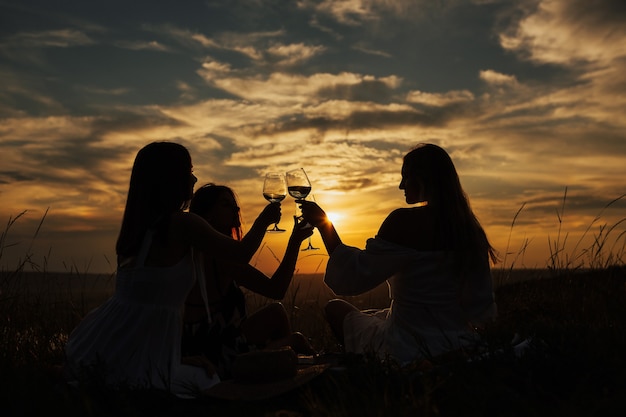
(527, 96)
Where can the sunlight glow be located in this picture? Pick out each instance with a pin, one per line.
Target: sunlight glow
(334, 217)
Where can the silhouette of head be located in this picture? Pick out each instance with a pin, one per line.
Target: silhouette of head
(217, 204)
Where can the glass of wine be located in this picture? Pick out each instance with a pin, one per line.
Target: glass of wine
(299, 187)
(275, 191)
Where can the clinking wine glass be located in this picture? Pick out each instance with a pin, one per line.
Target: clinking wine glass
(299, 187)
(275, 191)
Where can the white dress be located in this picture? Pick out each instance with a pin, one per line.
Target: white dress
(430, 313)
(136, 334)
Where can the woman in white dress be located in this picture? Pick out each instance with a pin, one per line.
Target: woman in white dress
(133, 339)
(435, 258)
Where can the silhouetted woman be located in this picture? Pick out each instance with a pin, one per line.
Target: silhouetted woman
(435, 258)
(217, 324)
(134, 338)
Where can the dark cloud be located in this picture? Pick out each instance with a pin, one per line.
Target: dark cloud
(129, 119)
(10, 177)
(375, 91)
(426, 116)
(595, 15)
(58, 160)
(382, 119)
(348, 184)
(74, 154)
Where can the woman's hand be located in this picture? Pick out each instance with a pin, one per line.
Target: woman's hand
(301, 230)
(270, 214)
(312, 213)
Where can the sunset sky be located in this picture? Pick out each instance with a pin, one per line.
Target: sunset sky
(528, 97)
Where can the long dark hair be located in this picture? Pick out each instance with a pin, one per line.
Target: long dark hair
(160, 184)
(459, 228)
(205, 198)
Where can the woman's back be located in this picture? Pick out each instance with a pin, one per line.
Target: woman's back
(135, 334)
(155, 284)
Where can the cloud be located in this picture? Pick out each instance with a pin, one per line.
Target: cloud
(439, 99)
(495, 78)
(67, 153)
(27, 47)
(294, 54)
(367, 166)
(144, 45)
(342, 88)
(253, 45)
(181, 36)
(103, 91)
(60, 38)
(9, 177)
(364, 47)
(362, 88)
(360, 12)
(566, 32)
(20, 91)
(285, 89)
(347, 12)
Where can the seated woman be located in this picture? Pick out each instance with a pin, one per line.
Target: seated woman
(217, 324)
(133, 339)
(435, 258)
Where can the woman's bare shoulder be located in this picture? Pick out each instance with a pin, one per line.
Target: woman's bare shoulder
(401, 217)
(404, 225)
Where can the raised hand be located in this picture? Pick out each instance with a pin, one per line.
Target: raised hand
(301, 230)
(270, 214)
(312, 213)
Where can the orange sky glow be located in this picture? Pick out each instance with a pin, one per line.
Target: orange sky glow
(528, 97)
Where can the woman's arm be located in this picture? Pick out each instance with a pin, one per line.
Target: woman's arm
(193, 230)
(314, 215)
(252, 240)
(353, 271)
(276, 287)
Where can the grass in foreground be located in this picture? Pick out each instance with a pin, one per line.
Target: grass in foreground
(575, 366)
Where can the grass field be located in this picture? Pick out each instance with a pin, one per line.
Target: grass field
(575, 365)
(572, 314)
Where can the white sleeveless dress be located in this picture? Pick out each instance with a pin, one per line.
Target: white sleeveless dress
(136, 335)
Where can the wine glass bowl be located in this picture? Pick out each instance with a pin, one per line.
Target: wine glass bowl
(298, 183)
(275, 191)
(299, 187)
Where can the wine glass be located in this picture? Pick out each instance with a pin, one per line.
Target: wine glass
(299, 187)
(275, 191)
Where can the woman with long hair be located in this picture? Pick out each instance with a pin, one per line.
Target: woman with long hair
(134, 339)
(434, 256)
(217, 323)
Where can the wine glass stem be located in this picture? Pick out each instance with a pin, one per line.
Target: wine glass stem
(298, 211)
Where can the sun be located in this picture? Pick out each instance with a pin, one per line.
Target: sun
(334, 217)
